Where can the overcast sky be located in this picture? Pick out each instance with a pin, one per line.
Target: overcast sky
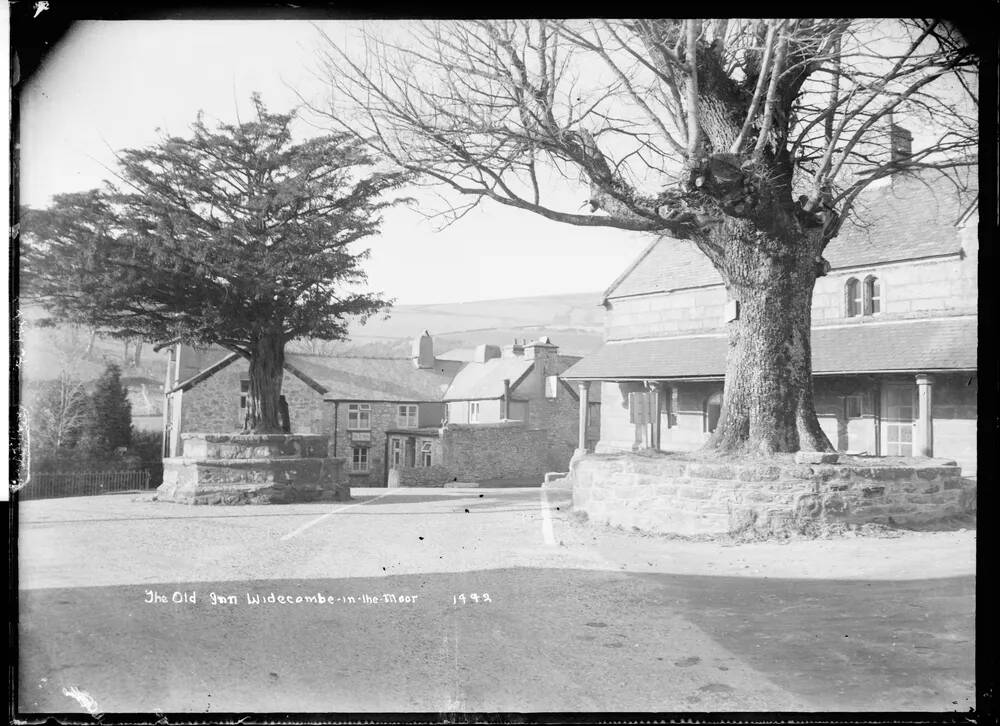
(110, 85)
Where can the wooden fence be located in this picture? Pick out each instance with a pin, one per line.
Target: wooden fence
(47, 485)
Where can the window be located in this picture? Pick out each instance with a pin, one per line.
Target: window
(853, 293)
(473, 411)
(852, 406)
(551, 386)
(359, 415)
(593, 415)
(359, 458)
(406, 416)
(425, 454)
(873, 296)
(395, 452)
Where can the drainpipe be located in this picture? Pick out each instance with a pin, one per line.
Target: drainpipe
(506, 399)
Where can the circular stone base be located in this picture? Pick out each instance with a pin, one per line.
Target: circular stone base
(693, 493)
(253, 469)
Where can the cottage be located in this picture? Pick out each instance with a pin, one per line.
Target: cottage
(462, 416)
(894, 336)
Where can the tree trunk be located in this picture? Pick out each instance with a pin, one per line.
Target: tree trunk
(767, 404)
(267, 360)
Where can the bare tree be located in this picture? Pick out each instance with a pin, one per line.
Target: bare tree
(751, 138)
(57, 411)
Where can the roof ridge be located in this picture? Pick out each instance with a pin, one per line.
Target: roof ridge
(628, 270)
(348, 357)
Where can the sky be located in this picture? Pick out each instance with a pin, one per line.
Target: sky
(110, 85)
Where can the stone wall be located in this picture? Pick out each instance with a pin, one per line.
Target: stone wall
(214, 404)
(559, 417)
(677, 495)
(494, 451)
(910, 288)
(674, 313)
(252, 469)
(383, 417)
(420, 476)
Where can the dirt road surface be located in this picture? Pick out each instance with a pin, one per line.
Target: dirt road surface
(474, 600)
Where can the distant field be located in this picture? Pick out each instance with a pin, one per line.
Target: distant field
(573, 322)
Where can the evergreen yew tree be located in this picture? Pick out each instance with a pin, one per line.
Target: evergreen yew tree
(233, 236)
(110, 423)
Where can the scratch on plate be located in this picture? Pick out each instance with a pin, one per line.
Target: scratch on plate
(22, 424)
(85, 700)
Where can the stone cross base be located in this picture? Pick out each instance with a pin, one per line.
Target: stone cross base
(253, 469)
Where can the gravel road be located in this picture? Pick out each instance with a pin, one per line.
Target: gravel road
(579, 618)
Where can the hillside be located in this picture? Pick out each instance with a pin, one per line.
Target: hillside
(574, 322)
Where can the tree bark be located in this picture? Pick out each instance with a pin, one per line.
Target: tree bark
(267, 360)
(768, 398)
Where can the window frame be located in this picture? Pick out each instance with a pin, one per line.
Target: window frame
(473, 411)
(860, 400)
(403, 419)
(872, 285)
(360, 464)
(426, 454)
(853, 298)
(359, 411)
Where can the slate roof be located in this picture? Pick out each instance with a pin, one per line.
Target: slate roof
(871, 347)
(903, 220)
(906, 219)
(666, 264)
(485, 380)
(375, 379)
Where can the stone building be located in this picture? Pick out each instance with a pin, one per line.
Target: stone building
(508, 415)
(894, 336)
(407, 414)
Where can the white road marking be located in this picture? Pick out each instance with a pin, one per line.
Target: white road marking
(547, 534)
(320, 518)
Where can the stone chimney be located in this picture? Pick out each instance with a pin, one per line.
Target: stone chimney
(514, 350)
(901, 142)
(541, 349)
(423, 351)
(485, 352)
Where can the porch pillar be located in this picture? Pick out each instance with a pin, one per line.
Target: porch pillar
(656, 393)
(584, 388)
(924, 439)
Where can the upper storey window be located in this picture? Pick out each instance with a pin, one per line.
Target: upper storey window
(853, 292)
(873, 296)
(863, 298)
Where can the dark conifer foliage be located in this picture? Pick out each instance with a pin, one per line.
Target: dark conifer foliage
(234, 236)
(110, 424)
